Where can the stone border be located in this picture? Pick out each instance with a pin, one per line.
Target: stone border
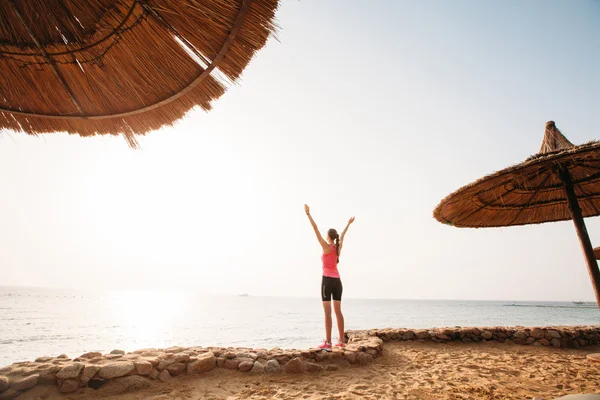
(572, 337)
(133, 371)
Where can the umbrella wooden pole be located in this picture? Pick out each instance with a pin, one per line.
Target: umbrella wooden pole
(582, 233)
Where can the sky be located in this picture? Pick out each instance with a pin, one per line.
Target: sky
(372, 109)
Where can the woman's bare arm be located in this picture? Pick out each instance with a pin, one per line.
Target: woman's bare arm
(322, 242)
(350, 221)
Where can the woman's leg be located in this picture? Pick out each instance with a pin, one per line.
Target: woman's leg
(339, 317)
(328, 321)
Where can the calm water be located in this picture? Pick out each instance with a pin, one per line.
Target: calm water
(37, 322)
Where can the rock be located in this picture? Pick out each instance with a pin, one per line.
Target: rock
(91, 354)
(487, 335)
(204, 362)
(257, 368)
(231, 363)
(220, 362)
(48, 375)
(519, 335)
(63, 356)
(113, 356)
(71, 371)
(466, 340)
(4, 384)
(43, 359)
(306, 354)
(555, 342)
(537, 333)
(126, 384)
(409, 335)
(116, 369)
(331, 367)
(294, 366)
(350, 356)
(69, 386)
(164, 376)
(162, 365)
(530, 340)
(154, 374)
(117, 352)
(25, 383)
(88, 373)
(175, 349)
(175, 369)
(9, 394)
(362, 358)
(313, 367)
(422, 334)
(146, 351)
(152, 360)
(181, 358)
(272, 366)
(554, 334)
(544, 342)
(249, 354)
(230, 355)
(282, 359)
(142, 367)
(246, 366)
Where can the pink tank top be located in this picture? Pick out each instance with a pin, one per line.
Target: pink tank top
(330, 263)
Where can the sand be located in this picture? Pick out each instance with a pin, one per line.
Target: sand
(407, 370)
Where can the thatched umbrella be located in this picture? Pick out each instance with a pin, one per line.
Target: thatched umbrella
(121, 66)
(559, 183)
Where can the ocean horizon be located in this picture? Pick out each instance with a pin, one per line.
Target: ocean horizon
(38, 322)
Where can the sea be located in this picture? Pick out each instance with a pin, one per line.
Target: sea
(38, 322)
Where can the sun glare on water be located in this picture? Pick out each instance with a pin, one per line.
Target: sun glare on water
(147, 318)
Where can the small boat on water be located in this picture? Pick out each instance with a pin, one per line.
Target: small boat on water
(244, 295)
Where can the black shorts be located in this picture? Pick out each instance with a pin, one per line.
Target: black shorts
(331, 287)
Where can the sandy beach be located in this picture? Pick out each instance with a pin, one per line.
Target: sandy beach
(407, 370)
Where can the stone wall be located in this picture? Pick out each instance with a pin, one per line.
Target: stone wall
(557, 336)
(124, 372)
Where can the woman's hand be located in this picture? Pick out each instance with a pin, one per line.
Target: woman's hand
(351, 220)
(306, 209)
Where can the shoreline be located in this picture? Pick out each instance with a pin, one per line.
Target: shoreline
(134, 370)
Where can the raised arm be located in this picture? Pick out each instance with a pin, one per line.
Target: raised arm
(322, 242)
(350, 221)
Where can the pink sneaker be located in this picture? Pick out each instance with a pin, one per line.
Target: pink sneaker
(340, 345)
(325, 346)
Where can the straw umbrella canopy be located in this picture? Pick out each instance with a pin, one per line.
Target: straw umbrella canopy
(121, 66)
(559, 183)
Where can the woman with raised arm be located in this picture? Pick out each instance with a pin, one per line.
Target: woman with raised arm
(331, 285)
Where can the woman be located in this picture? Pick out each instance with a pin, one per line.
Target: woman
(331, 285)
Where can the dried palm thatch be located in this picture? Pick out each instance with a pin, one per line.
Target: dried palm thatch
(559, 183)
(530, 192)
(121, 66)
(597, 253)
